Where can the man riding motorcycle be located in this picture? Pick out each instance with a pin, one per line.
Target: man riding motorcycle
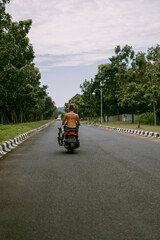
(70, 136)
(72, 120)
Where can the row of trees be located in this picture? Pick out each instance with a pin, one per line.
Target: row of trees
(131, 84)
(22, 98)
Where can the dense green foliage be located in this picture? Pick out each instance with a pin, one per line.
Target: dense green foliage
(130, 84)
(21, 96)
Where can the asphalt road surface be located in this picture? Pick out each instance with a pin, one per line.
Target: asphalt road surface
(109, 189)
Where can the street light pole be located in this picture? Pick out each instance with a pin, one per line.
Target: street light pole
(138, 119)
(101, 106)
(100, 89)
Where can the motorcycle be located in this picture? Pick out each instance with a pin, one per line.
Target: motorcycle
(68, 138)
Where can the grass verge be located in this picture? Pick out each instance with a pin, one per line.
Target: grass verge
(129, 125)
(8, 131)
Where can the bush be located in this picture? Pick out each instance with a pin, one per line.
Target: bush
(147, 120)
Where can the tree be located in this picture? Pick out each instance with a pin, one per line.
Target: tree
(21, 96)
(131, 84)
(89, 104)
(133, 99)
(153, 79)
(77, 101)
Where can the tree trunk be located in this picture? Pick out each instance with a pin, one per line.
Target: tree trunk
(132, 117)
(13, 116)
(1, 118)
(118, 119)
(5, 118)
(154, 111)
(24, 117)
(21, 116)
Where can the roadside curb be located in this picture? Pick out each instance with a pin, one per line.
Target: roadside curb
(132, 131)
(11, 144)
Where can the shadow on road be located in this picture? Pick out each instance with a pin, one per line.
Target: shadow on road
(66, 153)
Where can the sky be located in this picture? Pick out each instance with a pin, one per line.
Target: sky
(72, 37)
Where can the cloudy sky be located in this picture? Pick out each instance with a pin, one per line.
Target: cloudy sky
(72, 37)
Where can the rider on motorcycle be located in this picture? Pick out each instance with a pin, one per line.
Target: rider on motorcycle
(72, 120)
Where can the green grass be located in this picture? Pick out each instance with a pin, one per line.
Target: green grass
(129, 125)
(8, 131)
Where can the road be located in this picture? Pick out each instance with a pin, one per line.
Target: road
(109, 189)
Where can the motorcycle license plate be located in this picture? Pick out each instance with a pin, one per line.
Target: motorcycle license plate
(71, 140)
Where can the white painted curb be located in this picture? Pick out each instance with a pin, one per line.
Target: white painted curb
(1, 151)
(132, 131)
(11, 144)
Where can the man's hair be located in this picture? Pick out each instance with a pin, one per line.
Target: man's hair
(71, 107)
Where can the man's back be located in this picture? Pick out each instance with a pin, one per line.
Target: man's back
(71, 118)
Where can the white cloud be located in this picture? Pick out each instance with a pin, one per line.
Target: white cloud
(49, 61)
(81, 32)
